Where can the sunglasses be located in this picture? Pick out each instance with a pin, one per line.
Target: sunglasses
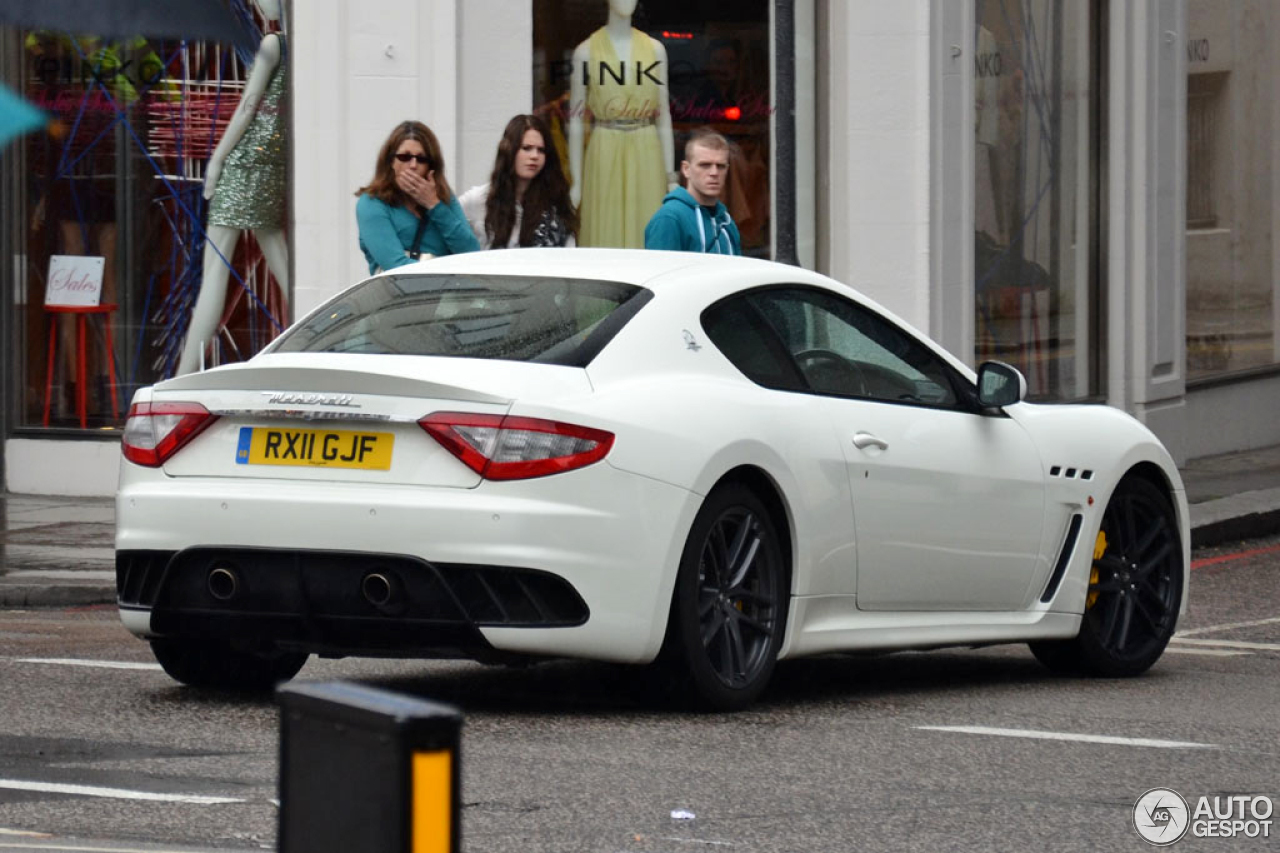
(421, 158)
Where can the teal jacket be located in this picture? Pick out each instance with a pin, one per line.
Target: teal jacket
(675, 227)
(386, 232)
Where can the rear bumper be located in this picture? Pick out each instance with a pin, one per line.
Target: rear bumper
(580, 564)
(338, 603)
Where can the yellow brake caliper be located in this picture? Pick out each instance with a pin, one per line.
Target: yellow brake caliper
(1099, 548)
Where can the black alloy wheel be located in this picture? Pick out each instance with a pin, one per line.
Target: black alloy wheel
(729, 607)
(1135, 588)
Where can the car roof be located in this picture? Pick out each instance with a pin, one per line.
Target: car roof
(641, 267)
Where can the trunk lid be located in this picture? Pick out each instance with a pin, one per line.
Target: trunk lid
(348, 418)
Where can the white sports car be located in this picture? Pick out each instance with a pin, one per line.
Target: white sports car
(710, 463)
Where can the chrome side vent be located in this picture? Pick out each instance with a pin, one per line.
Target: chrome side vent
(1064, 557)
(1070, 473)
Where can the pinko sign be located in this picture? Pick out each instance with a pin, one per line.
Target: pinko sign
(74, 280)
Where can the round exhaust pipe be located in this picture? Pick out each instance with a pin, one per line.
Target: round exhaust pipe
(223, 583)
(378, 589)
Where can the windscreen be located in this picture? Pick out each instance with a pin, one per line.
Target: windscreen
(513, 318)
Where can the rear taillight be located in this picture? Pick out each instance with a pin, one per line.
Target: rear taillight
(511, 448)
(156, 431)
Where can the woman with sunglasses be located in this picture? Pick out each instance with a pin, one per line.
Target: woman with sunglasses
(409, 200)
(526, 202)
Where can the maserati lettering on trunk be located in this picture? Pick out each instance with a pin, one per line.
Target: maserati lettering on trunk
(288, 398)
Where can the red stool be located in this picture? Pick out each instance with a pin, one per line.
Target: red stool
(82, 391)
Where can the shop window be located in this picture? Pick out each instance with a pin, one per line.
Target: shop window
(1204, 96)
(1232, 183)
(1037, 292)
(716, 75)
(118, 176)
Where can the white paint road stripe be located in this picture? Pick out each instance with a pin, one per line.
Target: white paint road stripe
(27, 846)
(113, 793)
(1228, 627)
(1222, 653)
(102, 664)
(60, 574)
(676, 840)
(1231, 644)
(5, 845)
(1107, 739)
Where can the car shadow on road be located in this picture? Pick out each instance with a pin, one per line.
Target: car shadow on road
(595, 689)
(842, 678)
(209, 698)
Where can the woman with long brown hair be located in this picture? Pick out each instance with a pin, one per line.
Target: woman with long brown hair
(408, 210)
(526, 202)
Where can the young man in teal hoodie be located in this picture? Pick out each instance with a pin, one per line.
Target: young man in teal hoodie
(694, 219)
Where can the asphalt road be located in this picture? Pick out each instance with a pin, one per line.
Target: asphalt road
(949, 750)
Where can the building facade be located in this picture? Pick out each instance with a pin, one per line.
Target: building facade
(1083, 189)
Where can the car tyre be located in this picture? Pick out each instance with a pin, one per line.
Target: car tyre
(728, 609)
(218, 665)
(1135, 589)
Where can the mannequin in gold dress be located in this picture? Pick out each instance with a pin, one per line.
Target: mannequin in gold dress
(245, 183)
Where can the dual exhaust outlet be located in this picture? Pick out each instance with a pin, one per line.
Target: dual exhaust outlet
(223, 583)
(381, 590)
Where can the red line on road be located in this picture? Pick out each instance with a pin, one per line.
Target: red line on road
(1239, 555)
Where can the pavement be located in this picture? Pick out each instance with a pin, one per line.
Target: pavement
(59, 551)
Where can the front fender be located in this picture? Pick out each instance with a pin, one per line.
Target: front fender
(1087, 451)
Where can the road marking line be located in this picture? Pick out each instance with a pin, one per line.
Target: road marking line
(1230, 644)
(1239, 555)
(679, 840)
(1230, 626)
(103, 664)
(61, 574)
(1066, 736)
(693, 841)
(113, 793)
(87, 849)
(1222, 653)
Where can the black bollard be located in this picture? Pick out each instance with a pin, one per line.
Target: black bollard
(369, 770)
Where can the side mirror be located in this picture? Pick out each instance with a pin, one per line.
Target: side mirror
(1000, 385)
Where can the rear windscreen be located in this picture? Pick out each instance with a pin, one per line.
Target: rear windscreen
(514, 318)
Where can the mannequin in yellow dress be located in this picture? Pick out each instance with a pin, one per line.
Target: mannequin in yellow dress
(621, 171)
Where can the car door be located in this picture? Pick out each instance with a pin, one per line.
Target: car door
(948, 502)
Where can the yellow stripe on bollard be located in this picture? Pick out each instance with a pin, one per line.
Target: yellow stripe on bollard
(432, 806)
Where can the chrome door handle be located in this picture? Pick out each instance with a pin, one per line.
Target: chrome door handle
(863, 440)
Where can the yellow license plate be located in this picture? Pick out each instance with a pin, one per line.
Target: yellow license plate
(315, 448)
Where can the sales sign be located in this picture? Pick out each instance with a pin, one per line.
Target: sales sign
(74, 280)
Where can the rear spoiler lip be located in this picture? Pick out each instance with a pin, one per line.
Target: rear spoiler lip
(300, 380)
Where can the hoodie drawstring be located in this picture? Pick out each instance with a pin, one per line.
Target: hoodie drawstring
(715, 241)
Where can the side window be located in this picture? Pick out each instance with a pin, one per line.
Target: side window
(842, 349)
(739, 332)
